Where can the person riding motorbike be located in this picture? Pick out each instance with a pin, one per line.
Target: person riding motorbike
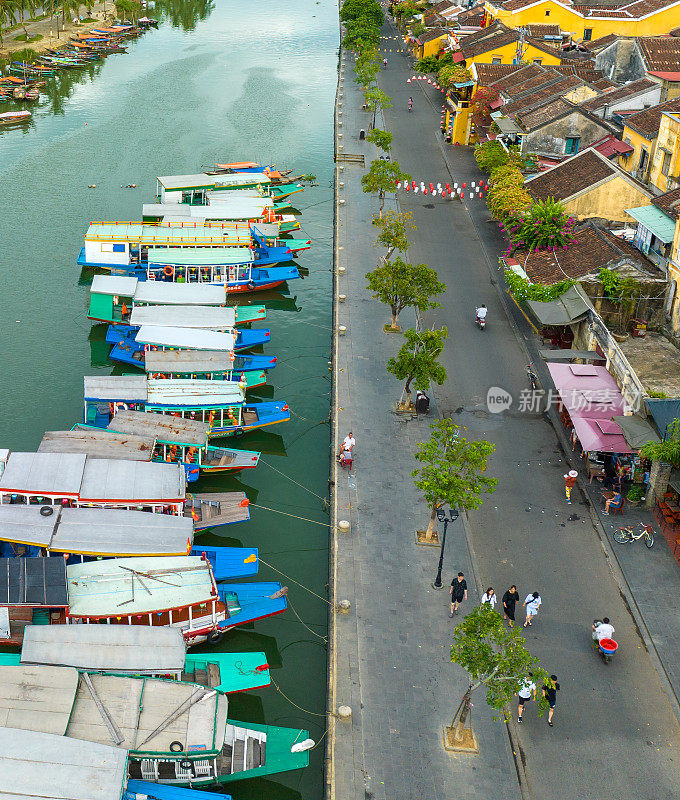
(385, 63)
(481, 313)
(602, 629)
(410, 104)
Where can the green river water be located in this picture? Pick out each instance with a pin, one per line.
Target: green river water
(228, 82)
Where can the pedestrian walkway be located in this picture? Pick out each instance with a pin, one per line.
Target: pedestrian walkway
(392, 663)
(615, 728)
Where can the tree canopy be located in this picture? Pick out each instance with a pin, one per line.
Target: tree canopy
(381, 139)
(369, 9)
(401, 285)
(416, 362)
(392, 234)
(382, 177)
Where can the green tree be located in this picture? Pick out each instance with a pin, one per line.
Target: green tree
(452, 73)
(544, 225)
(490, 155)
(507, 195)
(366, 67)
(392, 234)
(452, 470)
(381, 139)
(417, 28)
(361, 33)
(370, 9)
(382, 177)
(416, 362)
(496, 658)
(24, 10)
(667, 450)
(433, 63)
(404, 11)
(376, 100)
(6, 13)
(401, 285)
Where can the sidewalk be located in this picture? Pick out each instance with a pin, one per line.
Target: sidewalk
(525, 533)
(392, 663)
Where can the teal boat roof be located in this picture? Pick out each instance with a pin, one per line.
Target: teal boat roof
(189, 234)
(200, 258)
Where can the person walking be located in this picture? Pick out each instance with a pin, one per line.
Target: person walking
(569, 483)
(489, 597)
(532, 602)
(527, 691)
(509, 600)
(550, 691)
(458, 592)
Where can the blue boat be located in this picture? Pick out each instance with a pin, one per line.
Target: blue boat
(244, 338)
(248, 602)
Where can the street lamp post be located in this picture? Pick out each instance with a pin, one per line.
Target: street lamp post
(441, 516)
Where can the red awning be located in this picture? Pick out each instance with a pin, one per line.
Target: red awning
(458, 57)
(611, 146)
(667, 76)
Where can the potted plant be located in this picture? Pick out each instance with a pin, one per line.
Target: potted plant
(636, 494)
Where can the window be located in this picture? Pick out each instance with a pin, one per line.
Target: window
(587, 34)
(538, 61)
(118, 248)
(547, 13)
(496, 60)
(666, 165)
(572, 144)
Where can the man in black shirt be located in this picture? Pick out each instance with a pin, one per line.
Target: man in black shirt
(458, 592)
(510, 598)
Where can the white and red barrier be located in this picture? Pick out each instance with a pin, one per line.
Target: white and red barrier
(474, 190)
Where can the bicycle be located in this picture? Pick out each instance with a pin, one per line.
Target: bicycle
(628, 534)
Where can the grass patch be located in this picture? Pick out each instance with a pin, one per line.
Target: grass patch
(22, 38)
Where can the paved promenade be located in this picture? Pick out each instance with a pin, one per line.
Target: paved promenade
(616, 734)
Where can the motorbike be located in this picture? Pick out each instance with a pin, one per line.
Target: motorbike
(480, 322)
(605, 647)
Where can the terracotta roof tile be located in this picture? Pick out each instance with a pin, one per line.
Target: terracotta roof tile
(471, 50)
(539, 31)
(620, 9)
(586, 72)
(550, 90)
(431, 35)
(547, 112)
(524, 73)
(545, 47)
(570, 177)
(594, 249)
(490, 73)
(660, 53)
(669, 203)
(620, 93)
(604, 83)
(647, 122)
(599, 44)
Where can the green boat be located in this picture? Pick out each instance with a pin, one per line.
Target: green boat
(175, 732)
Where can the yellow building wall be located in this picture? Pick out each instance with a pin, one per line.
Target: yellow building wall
(674, 275)
(607, 201)
(638, 142)
(508, 55)
(668, 140)
(654, 25)
(433, 47)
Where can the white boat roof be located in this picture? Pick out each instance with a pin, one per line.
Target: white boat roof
(97, 588)
(113, 480)
(203, 181)
(114, 648)
(58, 700)
(191, 393)
(44, 766)
(165, 293)
(44, 473)
(113, 285)
(190, 361)
(110, 388)
(184, 338)
(220, 209)
(97, 531)
(199, 317)
(199, 257)
(191, 235)
(163, 427)
(238, 200)
(98, 443)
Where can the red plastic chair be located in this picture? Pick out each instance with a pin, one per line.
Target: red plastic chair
(619, 510)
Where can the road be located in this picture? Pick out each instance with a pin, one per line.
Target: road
(615, 733)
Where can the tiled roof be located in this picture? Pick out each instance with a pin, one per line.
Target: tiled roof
(586, 72)
(594, 248)
(432, 34)
(620, 9)
(539, 31)
(621, 93)
(669, 203)
(547, 112)
(530, 84)
(471, 50)
(647, 122)
(490, 73)
(523, 74)
(549, 91)
(471, 17)
(660, 53)
(599, 44)
(604, 83)
(570, 177)
(545, 47)
(442, 6)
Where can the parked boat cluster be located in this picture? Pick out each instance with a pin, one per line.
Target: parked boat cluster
(103, 586)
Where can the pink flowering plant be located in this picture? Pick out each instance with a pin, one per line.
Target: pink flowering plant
(545, 225)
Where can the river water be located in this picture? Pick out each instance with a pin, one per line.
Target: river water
(230, 82)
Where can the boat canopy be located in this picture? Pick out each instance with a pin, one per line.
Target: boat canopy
(189, 393)
(58, 474)
(184, 338)
(190, 235)
(165, 293)
(205, 257)
(113, 285)
(112, 587)
(114, 648)
(216, 318)
(174, 183)
(149, 712)
(244, 201)
(96, 443)
(33, 582)
(186, 361)
(97, 532)
(189, 432)
(44, 766)
(219, 209)
(113, 388)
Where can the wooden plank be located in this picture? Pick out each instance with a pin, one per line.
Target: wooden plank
(114, 730)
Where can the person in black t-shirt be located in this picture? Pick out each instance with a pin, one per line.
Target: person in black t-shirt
(550, 691)
(510, 598)
(458, 592)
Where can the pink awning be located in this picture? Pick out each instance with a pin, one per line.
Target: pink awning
(600, 435)
(587, 391)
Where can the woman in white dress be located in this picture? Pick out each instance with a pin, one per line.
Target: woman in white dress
(531, 604)
(489, 597)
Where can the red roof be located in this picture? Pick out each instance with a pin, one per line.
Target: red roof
(610, 146)
(666, 76)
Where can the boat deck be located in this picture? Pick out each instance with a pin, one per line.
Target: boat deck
(216, 508)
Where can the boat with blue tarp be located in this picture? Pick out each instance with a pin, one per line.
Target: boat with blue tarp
(207, 364)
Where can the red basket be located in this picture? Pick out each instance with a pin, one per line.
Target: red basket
(608, 646)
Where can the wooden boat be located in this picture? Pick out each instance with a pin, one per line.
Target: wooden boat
(136, 650)
(221, 404)
(194, 189)
(108, 295)
(79, 480)
(201, 364)
(132, 347)
(168, 732)
(81, 534)
(47, 765)
(213, 509)
(14, 117)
